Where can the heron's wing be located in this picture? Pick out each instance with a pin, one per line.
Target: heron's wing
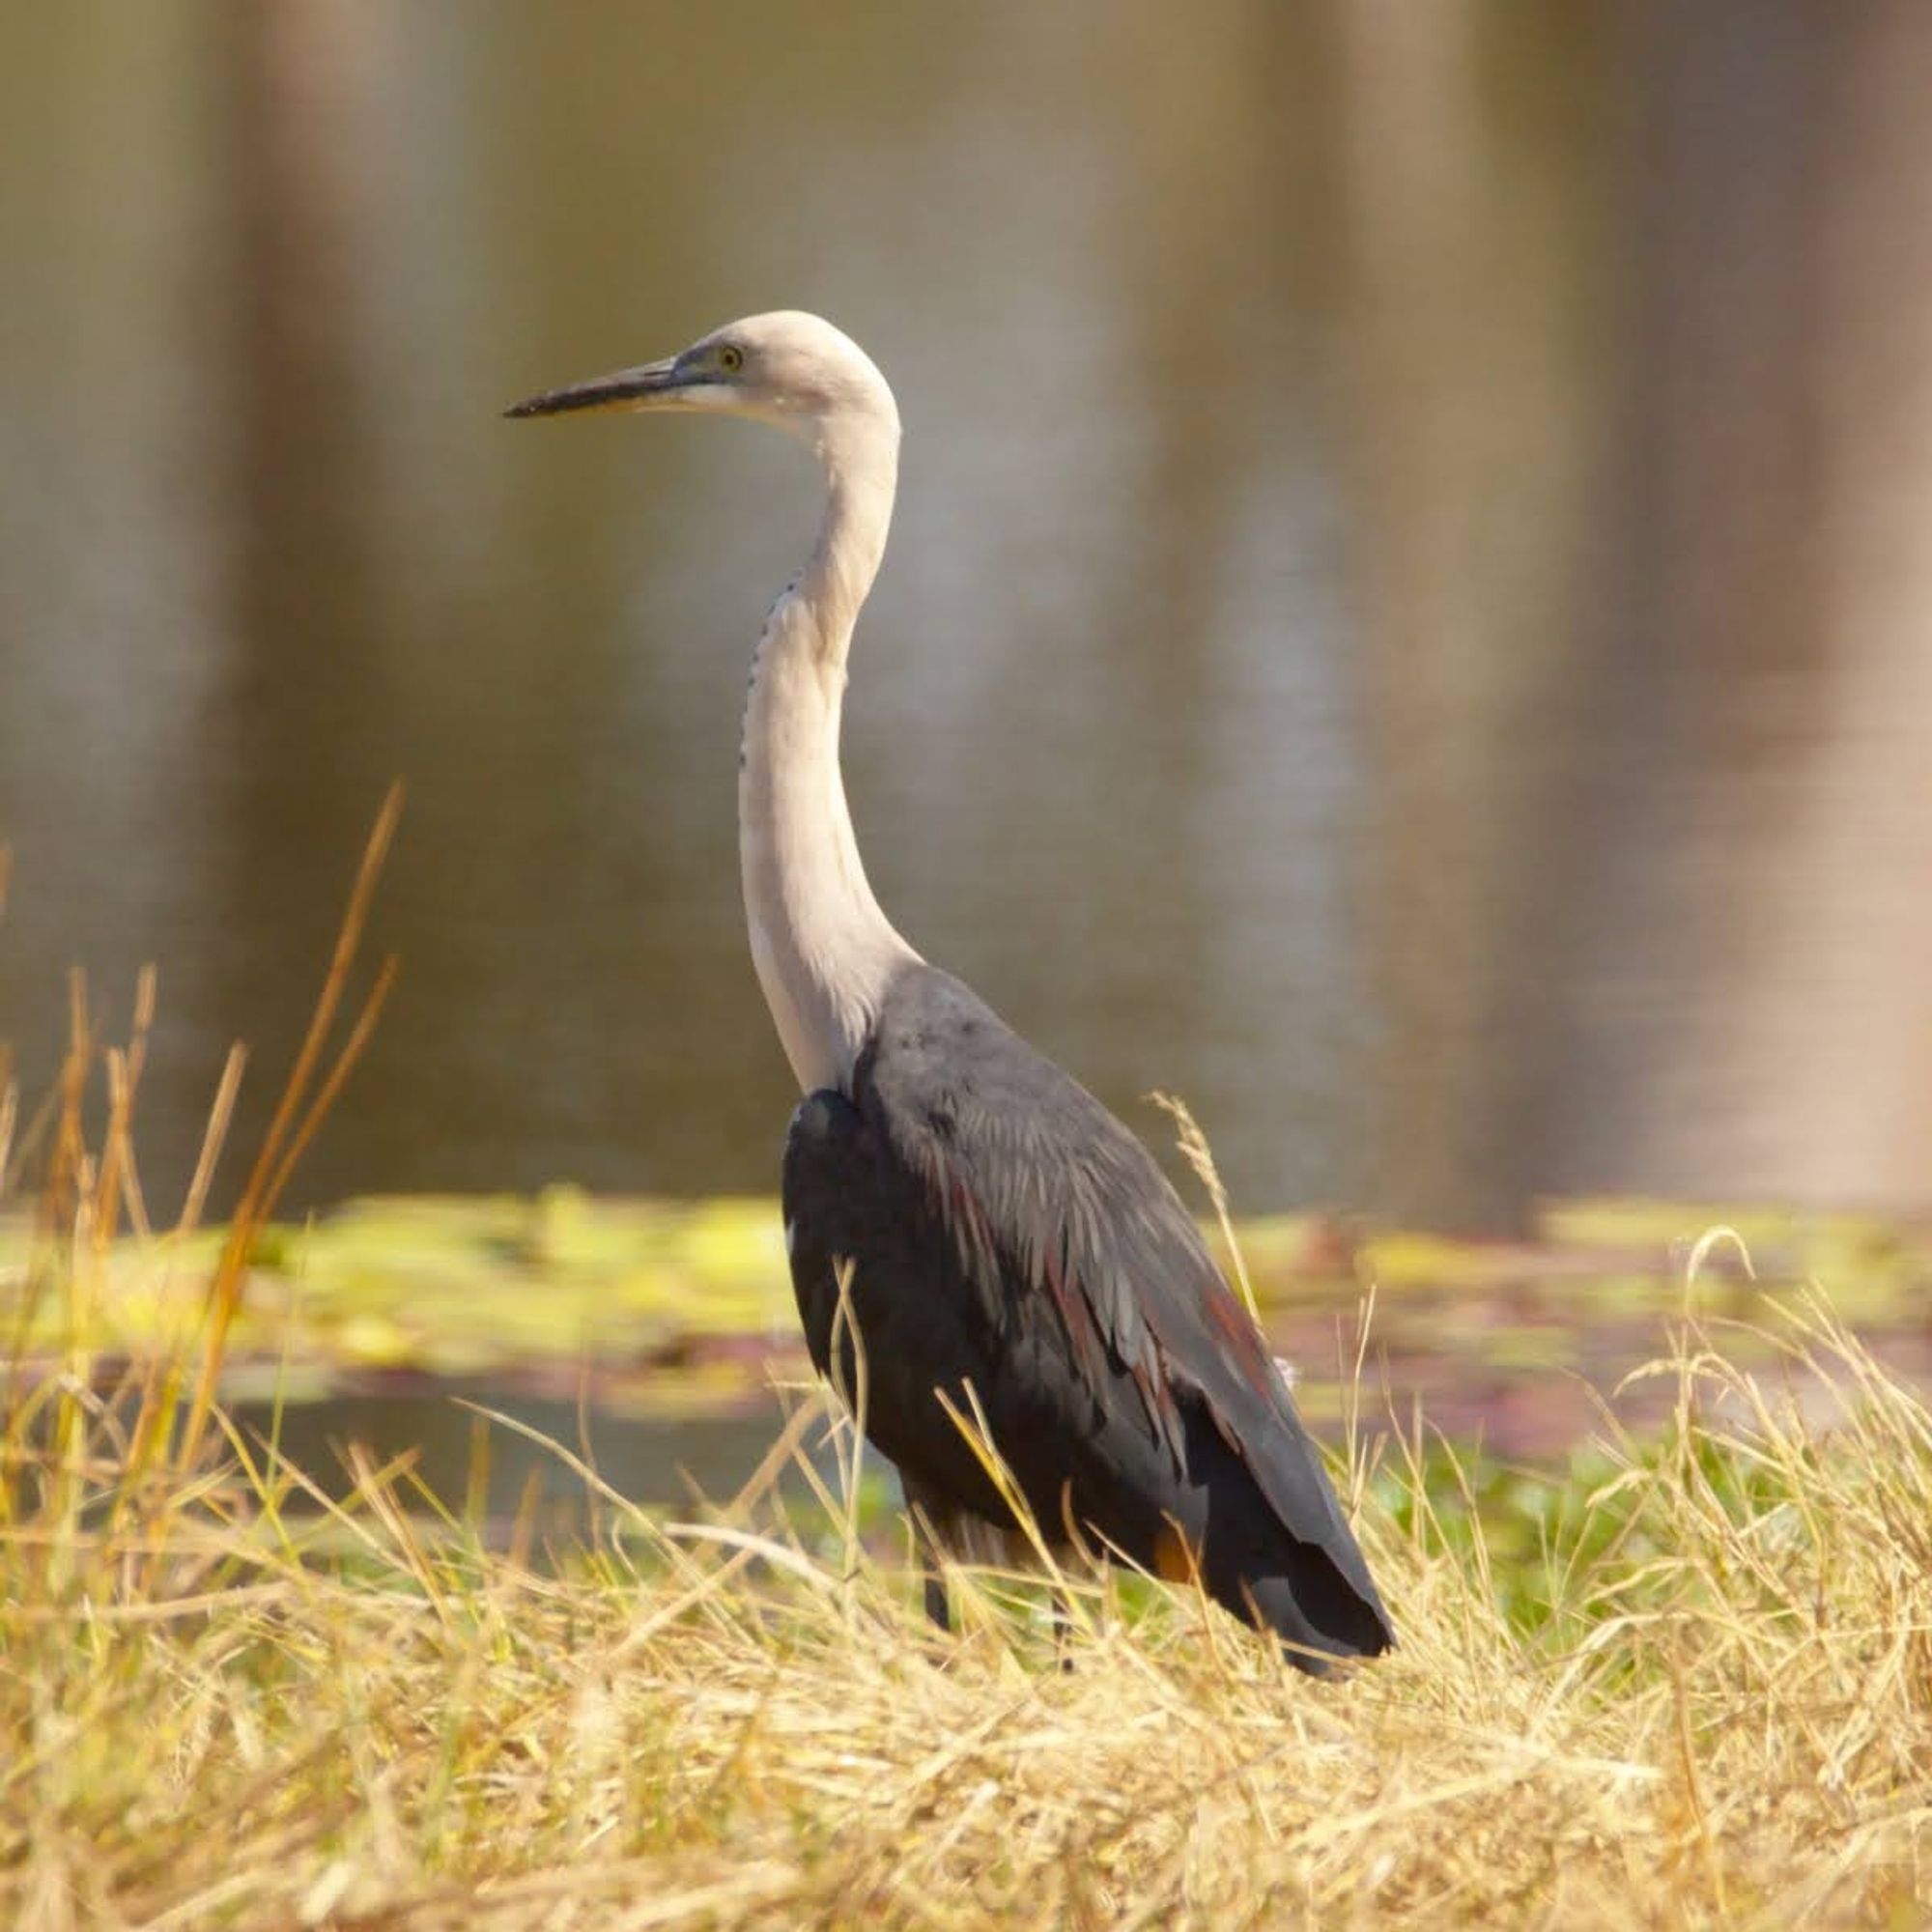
(1046, 1200)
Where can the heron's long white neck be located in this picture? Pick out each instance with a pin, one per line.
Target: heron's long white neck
(823, 949)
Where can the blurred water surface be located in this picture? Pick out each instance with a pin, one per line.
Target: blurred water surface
(1409, 622)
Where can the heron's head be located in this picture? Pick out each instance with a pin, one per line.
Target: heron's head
(787, 368)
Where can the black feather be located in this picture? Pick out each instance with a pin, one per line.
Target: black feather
(1006, 1231)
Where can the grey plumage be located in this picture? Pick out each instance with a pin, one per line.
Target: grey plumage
(1006, 1231)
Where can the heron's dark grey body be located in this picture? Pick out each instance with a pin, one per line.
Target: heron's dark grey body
(1005, 1230)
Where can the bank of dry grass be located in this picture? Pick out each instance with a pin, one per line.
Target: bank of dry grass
(1708, 1705)
(1700, 1696)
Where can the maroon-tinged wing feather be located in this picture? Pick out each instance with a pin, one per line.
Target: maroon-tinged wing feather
(1038, 1185)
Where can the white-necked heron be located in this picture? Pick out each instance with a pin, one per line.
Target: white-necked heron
(1004, 1232)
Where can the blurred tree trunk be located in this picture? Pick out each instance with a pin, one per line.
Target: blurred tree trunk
(1651, 869)
(1769, 789)
(1474, 305)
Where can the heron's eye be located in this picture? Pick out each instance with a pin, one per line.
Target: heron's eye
(730, 358)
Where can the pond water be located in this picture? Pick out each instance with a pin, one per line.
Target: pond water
(1406, 624)
(659, 1463)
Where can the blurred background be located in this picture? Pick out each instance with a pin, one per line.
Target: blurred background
(1409, 621)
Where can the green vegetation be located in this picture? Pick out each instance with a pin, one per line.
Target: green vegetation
(671, 1307)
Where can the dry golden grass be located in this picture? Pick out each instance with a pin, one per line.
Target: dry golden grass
(221, 1712)
(1700, 1699)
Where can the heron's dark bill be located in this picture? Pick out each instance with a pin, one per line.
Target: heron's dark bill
(624, 389)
